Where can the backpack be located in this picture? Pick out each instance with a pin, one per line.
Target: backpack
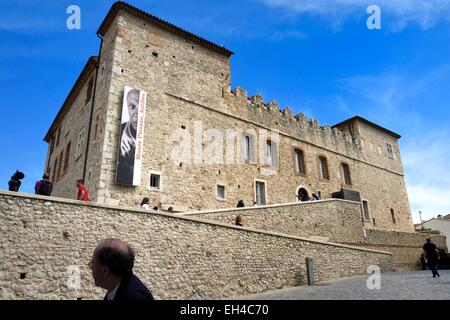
(46, 188)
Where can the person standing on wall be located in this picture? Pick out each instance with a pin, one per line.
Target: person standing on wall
(145, 204)
(14, 183)
(44, 187)
(82, 191)
(432, 254)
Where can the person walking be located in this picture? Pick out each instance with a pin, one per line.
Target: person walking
(44, 187)
(430, 251)
(82, 191)
(112, 269)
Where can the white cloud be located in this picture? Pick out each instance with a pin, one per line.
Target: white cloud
(426, 161)
(288, 34)
(424, 13)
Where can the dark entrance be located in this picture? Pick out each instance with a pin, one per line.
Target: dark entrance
(303, 194)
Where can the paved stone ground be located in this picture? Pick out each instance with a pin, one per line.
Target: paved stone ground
(405, 285)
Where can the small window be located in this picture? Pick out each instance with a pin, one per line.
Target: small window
(260, 190)
(346, 174)
(60, 164)
(324, 174)
(299, 161)
(319, 193)
(96, 126)
(247, 147)
(89, 90)
(66, 160)
(80, 143)
(155, 181)
(393, 216)
(390, 153)
(269, 153)
(52, 145)
(365, 210)
(220, 192)
(58, 136)
(55, 166)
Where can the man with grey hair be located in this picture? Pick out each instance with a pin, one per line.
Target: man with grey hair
(112, 269)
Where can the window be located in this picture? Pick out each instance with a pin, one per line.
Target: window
(324, 168)
(319, 193)
(52, 145)
(57, 136)
(365, 210)
(55, 166)
(66, 160)
(89, 90)
(80, 143)
(393, 216)
(96, 126)
(346, 174)
(260, 190)
(389, 150)
(371, 146)
(247, 147)
(299, 161)
(380, 149)
(155, 181)
(60, 164)
(221, 192)
(269, 153)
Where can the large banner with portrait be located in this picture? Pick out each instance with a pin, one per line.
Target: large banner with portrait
(131, 137)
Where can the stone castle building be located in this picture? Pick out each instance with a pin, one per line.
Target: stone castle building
(187, 80)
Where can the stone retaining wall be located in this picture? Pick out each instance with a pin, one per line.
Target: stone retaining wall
(45, 240)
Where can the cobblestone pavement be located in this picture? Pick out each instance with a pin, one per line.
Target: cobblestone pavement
(405, 285)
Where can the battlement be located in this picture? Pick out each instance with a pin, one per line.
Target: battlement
(269, 114)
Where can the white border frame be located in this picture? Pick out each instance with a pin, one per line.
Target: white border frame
(265, 191)
(362, 210)
(150, 172)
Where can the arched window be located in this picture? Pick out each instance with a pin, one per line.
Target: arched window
(302, 194)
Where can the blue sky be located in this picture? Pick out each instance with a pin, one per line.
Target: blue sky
(318, 57)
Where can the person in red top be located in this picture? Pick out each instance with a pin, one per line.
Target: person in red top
(82, 192)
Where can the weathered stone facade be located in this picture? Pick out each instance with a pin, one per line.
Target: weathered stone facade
(330, 220)
(43, 240)
(188, 82)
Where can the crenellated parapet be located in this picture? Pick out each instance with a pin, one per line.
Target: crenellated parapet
(255, 109)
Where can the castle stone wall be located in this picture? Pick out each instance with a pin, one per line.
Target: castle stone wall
(334, 220)
(46, 239)
(331, 220)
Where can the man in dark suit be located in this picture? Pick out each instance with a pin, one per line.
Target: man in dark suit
(112, 269)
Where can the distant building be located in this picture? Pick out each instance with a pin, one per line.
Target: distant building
(441, 223)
